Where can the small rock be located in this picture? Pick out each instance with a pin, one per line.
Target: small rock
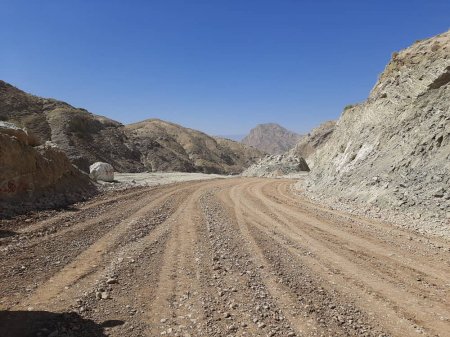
(111, 280)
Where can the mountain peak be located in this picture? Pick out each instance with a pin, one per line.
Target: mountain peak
(271, 138)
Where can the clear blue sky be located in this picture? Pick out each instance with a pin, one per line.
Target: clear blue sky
(218, 66)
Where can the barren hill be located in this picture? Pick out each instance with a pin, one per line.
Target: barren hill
(170, 147)
(83, 136)
(394, 149)
(271, 138)
(149, 145)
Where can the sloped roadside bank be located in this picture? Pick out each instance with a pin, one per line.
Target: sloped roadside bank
(36, 176)
(392, 151)
(411, 220)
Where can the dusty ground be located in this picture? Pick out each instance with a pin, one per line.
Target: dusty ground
(226, 257)
(127, 180)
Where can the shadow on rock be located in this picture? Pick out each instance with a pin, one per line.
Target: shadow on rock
(49, 324)
(6, 233)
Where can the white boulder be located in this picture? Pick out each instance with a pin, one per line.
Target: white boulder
(101, 171)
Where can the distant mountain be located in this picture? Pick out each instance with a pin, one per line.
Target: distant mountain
(271, 138)
(167, 146)
(148, 145)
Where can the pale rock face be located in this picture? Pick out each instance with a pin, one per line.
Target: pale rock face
(101, 171)
(277, 165)
(400, 134)
(313, 141)
(34, 177)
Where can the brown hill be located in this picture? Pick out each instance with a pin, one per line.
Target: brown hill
(271, 138)
(150, 145)
(170, 147)
(83, 136)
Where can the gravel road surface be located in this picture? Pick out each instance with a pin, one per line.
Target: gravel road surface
(224, 257)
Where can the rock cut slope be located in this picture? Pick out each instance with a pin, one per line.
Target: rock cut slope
(36, 176)
(313, 141)
(276, 166)
(271, 138)
(394, 149)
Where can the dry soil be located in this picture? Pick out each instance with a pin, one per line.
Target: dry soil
(225, 257)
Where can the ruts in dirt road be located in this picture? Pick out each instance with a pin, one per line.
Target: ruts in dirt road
(226, 257)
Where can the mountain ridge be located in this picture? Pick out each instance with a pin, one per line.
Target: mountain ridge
(86, 137)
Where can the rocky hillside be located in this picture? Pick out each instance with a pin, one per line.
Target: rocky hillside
(394, 149)
(83, 136)
(167, 146)
(276, 166)
(271, 138)
(36, 176)
(313, 141)
(154, 145)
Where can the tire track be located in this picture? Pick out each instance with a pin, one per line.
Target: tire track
(232, 257)
(329, 257)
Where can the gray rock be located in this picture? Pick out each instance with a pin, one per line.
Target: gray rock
(101, 171)
(400, 135)
(273, 166)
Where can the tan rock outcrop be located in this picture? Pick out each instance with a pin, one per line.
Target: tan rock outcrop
(37, 177)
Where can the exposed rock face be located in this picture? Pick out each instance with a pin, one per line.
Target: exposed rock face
(394, 149)
(20, 134)
(167, 146)
(313, 141)
(277, 165)
(83, 136)
(36, 177)
(271, 138)
(101, 171)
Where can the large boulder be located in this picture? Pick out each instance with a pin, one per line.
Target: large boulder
(101, 171)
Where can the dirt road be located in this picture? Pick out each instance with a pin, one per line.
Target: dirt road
(232, 257)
